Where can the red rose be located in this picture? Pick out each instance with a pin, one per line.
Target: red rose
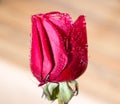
(59, 47)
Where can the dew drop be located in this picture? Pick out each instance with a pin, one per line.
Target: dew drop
(47, 77)
(73, 49)
(81, 61)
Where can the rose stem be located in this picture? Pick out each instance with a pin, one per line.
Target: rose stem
(60, 101)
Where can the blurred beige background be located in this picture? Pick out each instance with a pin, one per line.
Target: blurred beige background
(100, 84)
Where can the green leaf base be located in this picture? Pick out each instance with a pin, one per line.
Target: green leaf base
(62, 91)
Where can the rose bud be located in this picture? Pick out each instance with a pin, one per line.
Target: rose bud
(59, 50)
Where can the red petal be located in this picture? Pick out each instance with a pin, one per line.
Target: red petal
(61, 20)
(63, 23)
(79, 52)
(48, 61)
(36, 52)
(57, 45)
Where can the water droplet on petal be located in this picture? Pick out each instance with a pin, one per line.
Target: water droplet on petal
(81, 61)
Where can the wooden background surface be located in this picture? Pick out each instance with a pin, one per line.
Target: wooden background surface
(102, 78)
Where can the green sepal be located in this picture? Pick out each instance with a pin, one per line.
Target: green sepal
(65, 92)
(75, 86)
(51, 91)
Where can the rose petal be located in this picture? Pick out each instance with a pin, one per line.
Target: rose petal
(79, 52)
(48, 61)
(62, 21)
(36, 52)
(59, 53)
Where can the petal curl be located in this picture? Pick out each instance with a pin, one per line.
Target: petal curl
(61, 20)
(48, 60)
(36, 52)
(57, 45)
(78, 53)
(62, 23)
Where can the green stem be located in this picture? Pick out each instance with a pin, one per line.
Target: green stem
(60, 101)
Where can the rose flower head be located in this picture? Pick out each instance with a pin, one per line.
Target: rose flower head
(59, 49)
